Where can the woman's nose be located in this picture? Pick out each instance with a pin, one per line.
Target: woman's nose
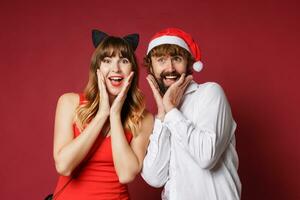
(116, 67)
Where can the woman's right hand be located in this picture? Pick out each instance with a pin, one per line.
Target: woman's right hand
(104, 107)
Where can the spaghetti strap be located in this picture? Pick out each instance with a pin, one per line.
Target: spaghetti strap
(82, 99)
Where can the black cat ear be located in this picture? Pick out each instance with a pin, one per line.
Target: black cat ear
(97, 37)
(133, 40)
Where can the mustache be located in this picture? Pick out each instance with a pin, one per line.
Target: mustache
(162, 76)
(174, 73)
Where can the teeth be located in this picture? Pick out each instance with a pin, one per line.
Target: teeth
(171, 77)
(116, 78)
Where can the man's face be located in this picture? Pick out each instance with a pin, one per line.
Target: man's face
(167, 70)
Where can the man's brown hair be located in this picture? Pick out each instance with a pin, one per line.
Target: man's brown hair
(172, 50)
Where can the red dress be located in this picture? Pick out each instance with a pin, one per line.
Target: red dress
(97, 179)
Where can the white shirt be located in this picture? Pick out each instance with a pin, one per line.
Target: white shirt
(192, 152)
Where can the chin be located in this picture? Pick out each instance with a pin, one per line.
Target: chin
(113, 91)
(167, 85)
(163, 88)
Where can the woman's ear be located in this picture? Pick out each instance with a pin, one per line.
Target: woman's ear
(133, 40)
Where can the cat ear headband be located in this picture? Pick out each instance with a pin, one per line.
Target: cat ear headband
(98, 36)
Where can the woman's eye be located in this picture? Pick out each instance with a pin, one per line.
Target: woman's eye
(106, 60)
(125, 61)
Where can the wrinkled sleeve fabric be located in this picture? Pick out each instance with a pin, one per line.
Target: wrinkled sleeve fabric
(155, 169)
(208, 136)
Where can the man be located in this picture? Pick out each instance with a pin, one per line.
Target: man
(192, 147)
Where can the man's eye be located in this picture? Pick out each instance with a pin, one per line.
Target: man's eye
(177, 59)
(161, 60)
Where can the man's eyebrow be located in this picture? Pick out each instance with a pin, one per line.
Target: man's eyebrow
(159, 56)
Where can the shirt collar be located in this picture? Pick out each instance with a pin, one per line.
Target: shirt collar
(191, 88)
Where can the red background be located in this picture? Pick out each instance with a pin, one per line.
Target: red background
(250, 47)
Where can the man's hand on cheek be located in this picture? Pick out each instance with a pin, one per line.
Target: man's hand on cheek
(157, 96)
(174, 94)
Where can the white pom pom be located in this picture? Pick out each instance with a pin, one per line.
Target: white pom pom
(197, 66)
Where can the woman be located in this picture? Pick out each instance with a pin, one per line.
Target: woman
(101, 136)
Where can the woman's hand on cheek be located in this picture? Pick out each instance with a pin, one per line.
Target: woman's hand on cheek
(104, 107)
(117, 105)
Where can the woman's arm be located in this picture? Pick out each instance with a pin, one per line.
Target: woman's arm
(68, 151)
(128, 158)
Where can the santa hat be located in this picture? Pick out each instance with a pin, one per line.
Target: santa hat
(180, 38)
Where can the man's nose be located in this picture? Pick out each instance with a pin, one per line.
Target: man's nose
(169, 65)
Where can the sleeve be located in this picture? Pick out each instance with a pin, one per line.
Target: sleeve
(209, 136)
(155, 169)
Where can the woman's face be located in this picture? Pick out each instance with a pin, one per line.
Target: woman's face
(115, 70)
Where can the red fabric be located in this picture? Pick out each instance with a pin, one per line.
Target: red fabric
(193, 46)
(97, 179)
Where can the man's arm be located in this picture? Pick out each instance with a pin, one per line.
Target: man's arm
(206, 140)
(156, 163)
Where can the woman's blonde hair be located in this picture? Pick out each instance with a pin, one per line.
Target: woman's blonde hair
(133, 108)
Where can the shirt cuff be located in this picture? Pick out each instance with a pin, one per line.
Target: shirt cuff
(158, 125)
(174, 116)
(157, 130)
(178, 125)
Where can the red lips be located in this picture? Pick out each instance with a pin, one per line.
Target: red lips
(116, 80)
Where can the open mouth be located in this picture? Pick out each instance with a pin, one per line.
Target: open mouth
(170, 79)
(116, 80)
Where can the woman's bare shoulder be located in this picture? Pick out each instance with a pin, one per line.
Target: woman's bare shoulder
(68, 100)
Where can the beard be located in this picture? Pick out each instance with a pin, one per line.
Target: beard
(160, 80)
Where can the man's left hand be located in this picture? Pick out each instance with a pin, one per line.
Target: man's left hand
(174, 94)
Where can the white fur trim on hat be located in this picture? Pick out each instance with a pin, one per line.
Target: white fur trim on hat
(167, 40)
